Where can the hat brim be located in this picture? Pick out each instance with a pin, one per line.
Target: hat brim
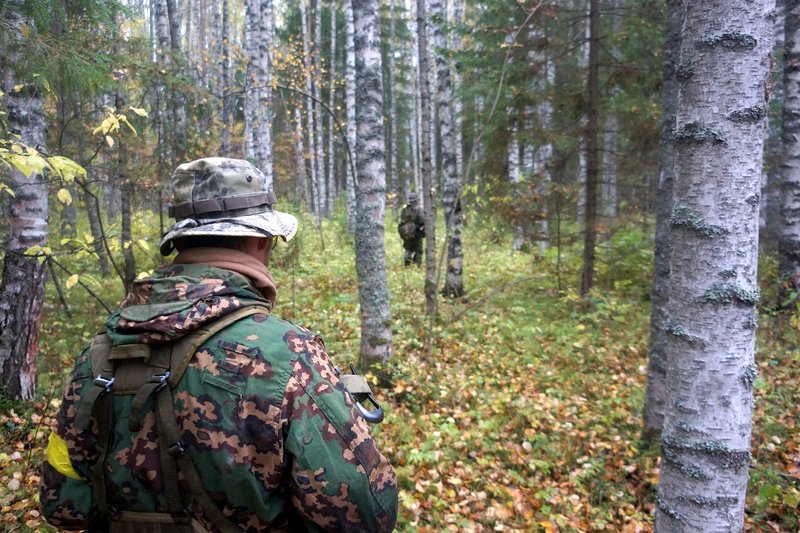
(270, 223)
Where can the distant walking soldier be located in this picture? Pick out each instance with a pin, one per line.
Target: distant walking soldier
(196, 409)
(412, 230)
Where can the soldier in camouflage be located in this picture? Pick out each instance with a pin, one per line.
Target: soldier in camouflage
(411, 229)
(261, 413)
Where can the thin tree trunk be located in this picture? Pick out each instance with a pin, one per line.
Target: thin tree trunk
(451, 182)
(350, 97)
(23, 283)
(227, 81)
(719, 138)
(391, 93)
(592, 156)
(258, 99)
(315, 171)
(789, 242)
(319, 153)
(656, 395)
(374, 298)
(332, 106)
(429, 202)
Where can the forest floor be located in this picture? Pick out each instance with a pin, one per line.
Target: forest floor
(525, 413)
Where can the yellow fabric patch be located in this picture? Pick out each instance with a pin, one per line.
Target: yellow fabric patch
(58, 456)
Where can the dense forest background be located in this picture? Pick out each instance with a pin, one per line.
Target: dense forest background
(516, 365)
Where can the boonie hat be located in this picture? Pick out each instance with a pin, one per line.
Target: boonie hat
(222, 196)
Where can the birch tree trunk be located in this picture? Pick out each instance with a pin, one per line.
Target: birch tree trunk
(789, 242)
(258, 97)
(592, 155)
(583, 61)
(656, 392)
(451, 184)
(426, 171)
(391, 93)
(608, 191)
(373, 284)
(23, 283)
(227, 81)
(318, 111)
(314, 171)
(719, 140)
(350, 101)
(332, 106)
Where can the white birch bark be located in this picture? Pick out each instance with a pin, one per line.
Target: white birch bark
(719, 136)
(350, 101)
(608, 189)
(583, 62)
(314, 170)
(789, 240)
(451, 182)
(391, 93)
(319, 144)
(373, 285)
(425, 152)
(23, 283)
(258, 97)
(227, 80)
(332, 106)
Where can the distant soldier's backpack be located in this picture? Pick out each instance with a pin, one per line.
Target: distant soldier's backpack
(407, 230)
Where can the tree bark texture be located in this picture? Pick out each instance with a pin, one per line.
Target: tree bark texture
(319, 153)
(719, 135)
(592, 151)
(311, 154)
(373, 284)
(656, 392)
(332, 106)
(23, 283)
(426, 166)
(350, 101)
(789, 241)
(258, 96)
(451, 182)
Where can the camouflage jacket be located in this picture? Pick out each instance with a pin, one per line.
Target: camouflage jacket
(263, 415)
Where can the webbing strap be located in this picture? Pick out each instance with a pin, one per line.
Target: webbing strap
(165, 415)
(169, 428)
(160, 361)
(104, 414)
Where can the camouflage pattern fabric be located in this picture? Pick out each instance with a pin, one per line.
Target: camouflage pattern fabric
(412, 213)
(263, 414)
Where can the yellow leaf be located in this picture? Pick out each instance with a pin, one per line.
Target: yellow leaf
(144, 245)
(72, 280)
(109, 141)
(25, 30)
(139, 111)
(64, 196)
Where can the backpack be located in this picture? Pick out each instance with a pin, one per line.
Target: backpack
(151, 371)
(407, 230)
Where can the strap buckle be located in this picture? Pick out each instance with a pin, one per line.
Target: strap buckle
(106, 383)
(161, 379)
(176, 450)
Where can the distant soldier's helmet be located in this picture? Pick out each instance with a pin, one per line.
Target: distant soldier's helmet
(221, 196)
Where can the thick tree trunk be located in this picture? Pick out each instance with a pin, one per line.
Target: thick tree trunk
(426, 170)
(22, 287)
(789, 242)
(373, 285)
(656, 395)
(719, 140)
(592, 152)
